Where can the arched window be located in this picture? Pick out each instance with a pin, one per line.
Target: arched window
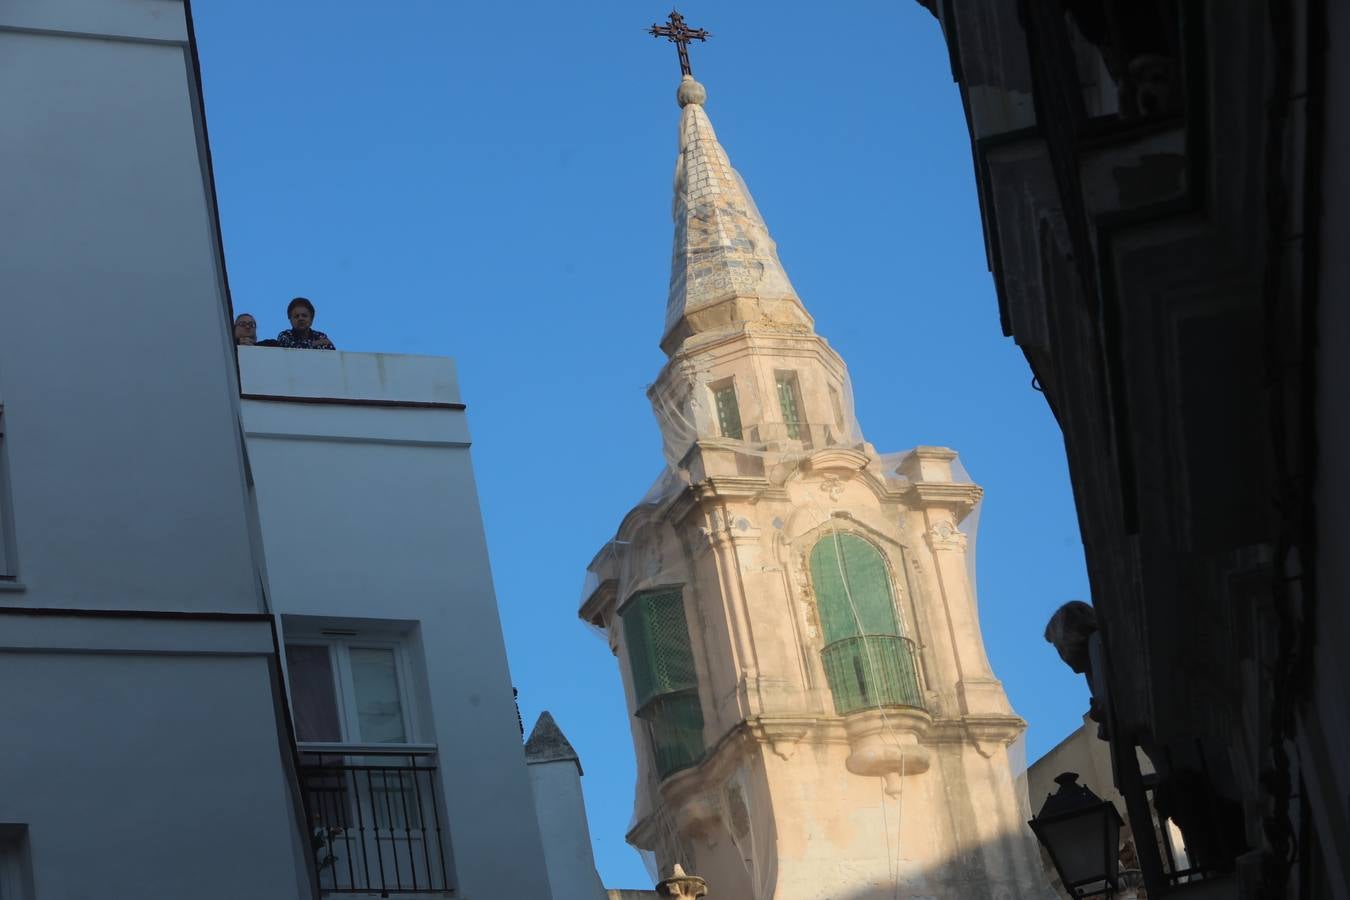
(867, 661)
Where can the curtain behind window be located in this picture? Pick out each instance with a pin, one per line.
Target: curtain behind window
(313, 693)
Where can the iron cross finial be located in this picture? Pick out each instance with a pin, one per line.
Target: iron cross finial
(680, 35)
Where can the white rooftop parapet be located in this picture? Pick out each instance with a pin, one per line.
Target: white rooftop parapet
(338, 375)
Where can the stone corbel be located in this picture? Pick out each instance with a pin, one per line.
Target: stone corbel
(946, 536)
(885, 743)
(988, 733)
(782, 735)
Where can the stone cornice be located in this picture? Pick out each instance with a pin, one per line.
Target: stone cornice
(986, 729)
(960, 495)
(837, 459)
(924, 451)
(754, 341)
(687, 790)
(730, 487)
(593, 607)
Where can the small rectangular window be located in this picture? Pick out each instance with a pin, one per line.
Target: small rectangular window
(349, 690)
(728, 410)
(790, 402)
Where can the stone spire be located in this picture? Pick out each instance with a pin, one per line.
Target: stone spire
(724, 273)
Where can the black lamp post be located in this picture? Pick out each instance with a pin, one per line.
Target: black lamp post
(1081, 832)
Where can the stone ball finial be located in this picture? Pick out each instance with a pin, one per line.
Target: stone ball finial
(681, 886)
(690, 91)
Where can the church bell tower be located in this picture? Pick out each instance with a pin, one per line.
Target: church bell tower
(793, 613)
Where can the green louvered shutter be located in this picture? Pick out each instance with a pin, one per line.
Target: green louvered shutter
(867, 663)
(728, 412)
(787, 402)
(658, 645)
(844, 566)
(675, 724)
(665, 682)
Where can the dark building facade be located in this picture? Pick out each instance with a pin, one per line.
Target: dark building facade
(1164, 192)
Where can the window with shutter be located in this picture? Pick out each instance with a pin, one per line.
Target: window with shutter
(867, 661)
(728, 411)
(665, 683)
(789, 401)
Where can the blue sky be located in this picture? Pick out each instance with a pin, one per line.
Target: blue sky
(492, 182)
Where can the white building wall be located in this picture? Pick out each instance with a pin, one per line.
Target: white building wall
(142, 759)
(116, 371)
(140, 755)
(561, 809)
(370, 514)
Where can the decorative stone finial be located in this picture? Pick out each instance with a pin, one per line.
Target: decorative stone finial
(690, 91)
(682, 886)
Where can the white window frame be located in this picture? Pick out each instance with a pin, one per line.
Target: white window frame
(339, 655)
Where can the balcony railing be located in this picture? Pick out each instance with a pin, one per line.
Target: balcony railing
(871, 671)
(375, 821)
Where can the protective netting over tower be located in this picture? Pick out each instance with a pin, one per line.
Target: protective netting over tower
(783, 585)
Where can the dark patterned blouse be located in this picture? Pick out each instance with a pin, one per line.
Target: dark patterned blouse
(310, 340)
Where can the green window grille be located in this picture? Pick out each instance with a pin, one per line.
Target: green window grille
(788, 403)
(867, 663)
(665, 683)
(675, 725)
(872, 670)
(728, 412)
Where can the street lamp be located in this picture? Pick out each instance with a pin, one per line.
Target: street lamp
(1081, 832)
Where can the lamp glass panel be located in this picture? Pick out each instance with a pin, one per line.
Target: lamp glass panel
(1084, 846)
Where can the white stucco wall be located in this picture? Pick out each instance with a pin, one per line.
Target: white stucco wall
(562, 824)
(115, 366)
(370, 512)
(140, 755)
(143, 761)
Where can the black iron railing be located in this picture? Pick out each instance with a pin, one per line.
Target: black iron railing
(375, 821)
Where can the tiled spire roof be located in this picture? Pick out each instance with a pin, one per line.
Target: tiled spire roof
(725, 270)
